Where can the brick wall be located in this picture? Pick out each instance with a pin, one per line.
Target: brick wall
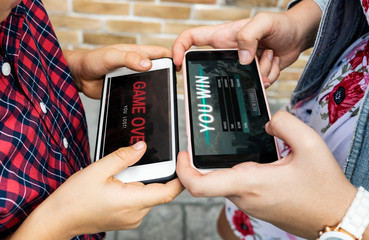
(86, 24)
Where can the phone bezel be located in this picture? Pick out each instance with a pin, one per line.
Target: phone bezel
(153, 172)
(231, 159)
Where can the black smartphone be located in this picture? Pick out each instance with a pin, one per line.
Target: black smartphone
(141, 106)
(226, 111)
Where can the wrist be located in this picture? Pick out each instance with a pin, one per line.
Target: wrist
(355, 221)
(72, 58)
(306, 22)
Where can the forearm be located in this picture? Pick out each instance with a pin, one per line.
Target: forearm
(48, 221)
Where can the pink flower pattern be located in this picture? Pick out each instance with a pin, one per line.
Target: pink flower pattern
(242, 223)
(365, 4)
(344, 96)
(359, 57)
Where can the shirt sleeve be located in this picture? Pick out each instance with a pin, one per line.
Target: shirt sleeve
(321, 3)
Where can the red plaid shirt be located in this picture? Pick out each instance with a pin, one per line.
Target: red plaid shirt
(43, 137)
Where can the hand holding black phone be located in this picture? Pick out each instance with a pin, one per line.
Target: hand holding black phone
(226, 110)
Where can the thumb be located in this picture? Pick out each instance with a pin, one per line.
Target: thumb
(121, 159)
(293, 131)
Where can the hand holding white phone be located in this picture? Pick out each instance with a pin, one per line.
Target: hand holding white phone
(141, 106)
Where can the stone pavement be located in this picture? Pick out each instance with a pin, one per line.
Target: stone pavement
(185, 218)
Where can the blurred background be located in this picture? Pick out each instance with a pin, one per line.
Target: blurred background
(88, 24)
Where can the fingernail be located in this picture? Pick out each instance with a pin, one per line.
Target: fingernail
(145, 63)
(277, 60)
(138, 146)
(270, 55)
(245, 56)
(266, 85)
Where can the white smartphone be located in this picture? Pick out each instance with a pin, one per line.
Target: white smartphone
(141, 106)
(226, 110)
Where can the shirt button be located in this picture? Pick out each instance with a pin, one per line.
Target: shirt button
(65, 143)
(43, 107)
(6, 69)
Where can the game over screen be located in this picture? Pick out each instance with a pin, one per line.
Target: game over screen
(138, 109)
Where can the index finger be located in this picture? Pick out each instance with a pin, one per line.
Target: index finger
(217, 36)
(148, 51)
(199, 36)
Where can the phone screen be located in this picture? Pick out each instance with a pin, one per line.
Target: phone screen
(227, 111)
(138, 109)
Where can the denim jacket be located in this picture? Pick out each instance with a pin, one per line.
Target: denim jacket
(343, 22)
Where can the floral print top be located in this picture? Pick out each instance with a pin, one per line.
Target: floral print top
(332, 112)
